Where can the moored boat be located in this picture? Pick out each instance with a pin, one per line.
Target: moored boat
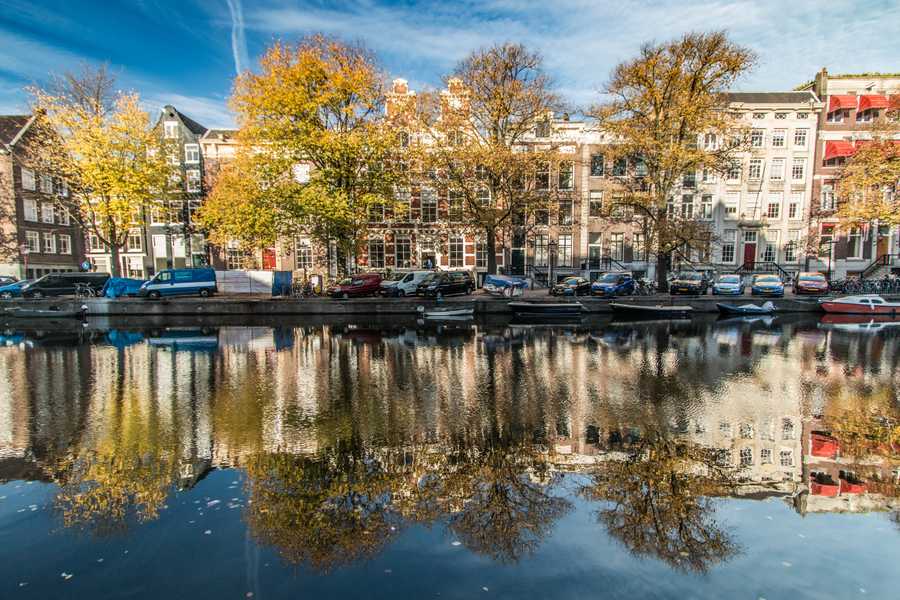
(447, 313)
(745, 309)
(45, 313)
(868, 304)
(552, 309)
(652, 312)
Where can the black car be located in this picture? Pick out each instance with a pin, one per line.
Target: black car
(689, 282)
(446, 282)
(63, 284)
(7, 279)
(571, 286)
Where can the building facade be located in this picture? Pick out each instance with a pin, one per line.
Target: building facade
(853, 104)
(37, 237)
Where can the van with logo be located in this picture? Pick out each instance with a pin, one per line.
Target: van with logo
(180, 282)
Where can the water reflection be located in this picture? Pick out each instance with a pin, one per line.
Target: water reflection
(347, 434)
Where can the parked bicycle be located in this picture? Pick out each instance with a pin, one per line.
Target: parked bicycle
(85, 290)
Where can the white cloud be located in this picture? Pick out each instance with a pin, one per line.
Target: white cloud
(209, 112)
(238, 40)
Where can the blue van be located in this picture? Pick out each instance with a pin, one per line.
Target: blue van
(180, 282)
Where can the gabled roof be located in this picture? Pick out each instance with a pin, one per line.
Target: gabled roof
(192, 125)
(224, 135)
(772, 97)
(11, 126)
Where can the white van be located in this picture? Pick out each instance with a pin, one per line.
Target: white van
(406, 285)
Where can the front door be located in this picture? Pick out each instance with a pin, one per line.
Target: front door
(750, 254)
(517, 262)
(268, 259)
(884, 241)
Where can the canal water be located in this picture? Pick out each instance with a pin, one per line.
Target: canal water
(299, 459)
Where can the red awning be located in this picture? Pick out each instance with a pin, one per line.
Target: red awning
(840, 102)
(838, 148)
(873, 101)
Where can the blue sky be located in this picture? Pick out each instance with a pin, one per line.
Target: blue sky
(186, 52)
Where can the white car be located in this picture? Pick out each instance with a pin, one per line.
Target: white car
(406, 285)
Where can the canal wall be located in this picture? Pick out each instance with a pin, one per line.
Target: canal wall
(482, 304)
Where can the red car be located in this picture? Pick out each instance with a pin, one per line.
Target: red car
(361, 284)
(811, 283)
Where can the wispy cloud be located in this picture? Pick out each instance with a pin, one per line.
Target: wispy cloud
(238, 39)
(210, 112)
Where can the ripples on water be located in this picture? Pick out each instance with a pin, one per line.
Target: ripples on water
(394, 460)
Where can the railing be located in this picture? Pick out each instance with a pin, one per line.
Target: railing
(882, 261)
(762, 267)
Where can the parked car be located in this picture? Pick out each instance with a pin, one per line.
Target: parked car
(63, 284)
(729, 285)
(361, 284)
(689, 282)
(767, 285)
(571, 286)
(446, 282)
(613, 284)
(180, 282)
(13, 290)
(7, 279)
(812, 283)
(405, 284)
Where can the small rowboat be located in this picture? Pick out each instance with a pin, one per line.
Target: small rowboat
(652, 312)
(869, 304)
(45, 313)
(546, 309)
(447, 313)
(745, 309)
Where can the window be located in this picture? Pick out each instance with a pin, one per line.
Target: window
(765, 456)
(755, 171)
(595, 249)
(564, 251)
(63, 189)
(734, 171)
(172, 158)
(542, 128)
(640, 167)
(770, 248)
(826, 239)
(838, 116)
(33, 241)
(596, 165)
(62, 216)
(746, 457)
(854, 243)
(710, 141)
(403, 252)
(566, 177)
(49, 243)
(787, 429)
(778, 138)
(595, 199)
(304, 254)
(483, 195)
(193, 180)
(29, 207)
(787, 458)
(706, 204)
(64, 244)
(170, 129)
(540, 250)
(236, 258)
(781, 116)
(709, 176)
(790, 249)
(756, 138)
(27, 179)
(795, 206)
(480, 255)
(47, 212)
(565, 211)
(135, 242)
(777, 172)
(376, 253)
(639, 244)
(620, 167)
(192, 153)
(542, 177)
(732, 201)
(798, 169)
(689, 180)
(866, 116)
(725, 428)
(429, 205)
(95, 245)
(800, 138)
(401, 204)
(773, 206)
(376, 212)
(46, 184)
(687, 206)
(728, 238)
(617, 246)
(827, 202)
(802, 115)
(759, 115)
(454, 206)
(456, 251)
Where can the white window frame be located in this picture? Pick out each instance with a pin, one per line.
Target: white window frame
(801, 137)
(779, 138)
(48, 213)
(64, 244)
(30, 210)
(48, 243)
(192, 154)
(192, 181)
(776, 171)
(33, 242)
(456, 252)
(757, 138)
(46, 184)
(28, 180)
(170, 129)
(758, 163)
(798, 169)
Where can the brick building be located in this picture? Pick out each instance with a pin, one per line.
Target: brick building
(36, 236)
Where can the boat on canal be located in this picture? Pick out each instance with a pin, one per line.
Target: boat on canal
(454, 313)
(546, 309)
(867, 304)
(658, 311)
(746, 309)
(53, 312)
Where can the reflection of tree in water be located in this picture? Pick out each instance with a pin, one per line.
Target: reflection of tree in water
(344, 504)
(661, 502)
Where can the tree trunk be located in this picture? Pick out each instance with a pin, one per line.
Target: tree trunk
(114, 267)
(663, 263)
(490, 238)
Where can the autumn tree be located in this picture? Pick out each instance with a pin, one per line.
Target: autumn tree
(314, 113)
(101, 145)
(480, 149)
(667, 111)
